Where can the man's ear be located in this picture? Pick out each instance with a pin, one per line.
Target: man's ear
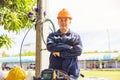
(58, 22)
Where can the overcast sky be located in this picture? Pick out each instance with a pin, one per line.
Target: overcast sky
(87, 15)
(92, 18)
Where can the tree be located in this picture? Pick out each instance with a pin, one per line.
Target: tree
(118, 58)
(5, 55)
(5, 41)
(15, 15)
(29, 53)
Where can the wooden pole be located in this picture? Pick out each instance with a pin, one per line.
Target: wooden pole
(38, 39)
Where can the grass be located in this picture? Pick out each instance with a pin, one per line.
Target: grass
(111, 74)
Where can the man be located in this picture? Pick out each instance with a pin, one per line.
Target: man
(65, 46)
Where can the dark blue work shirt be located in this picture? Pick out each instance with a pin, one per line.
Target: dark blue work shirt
(70, 46)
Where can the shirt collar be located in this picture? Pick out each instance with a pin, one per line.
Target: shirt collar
(64, 34)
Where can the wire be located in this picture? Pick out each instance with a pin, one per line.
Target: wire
(51, 23)
(21, 47)
(53, 30)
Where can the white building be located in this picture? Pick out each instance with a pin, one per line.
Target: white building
(86, 61)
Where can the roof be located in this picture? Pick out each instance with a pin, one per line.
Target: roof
(99, 56)
(17, 59)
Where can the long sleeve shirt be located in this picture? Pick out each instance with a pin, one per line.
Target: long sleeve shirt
(69, 44)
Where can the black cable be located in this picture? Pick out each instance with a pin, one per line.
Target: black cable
(53, 30)
(46, 20)
(21, 47)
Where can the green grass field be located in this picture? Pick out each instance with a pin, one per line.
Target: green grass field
(107, 74)
(111, 74)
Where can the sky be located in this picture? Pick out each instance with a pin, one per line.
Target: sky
(89, 14)
(89, 17)
(97, 21)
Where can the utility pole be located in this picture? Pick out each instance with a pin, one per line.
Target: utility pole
(38, 39)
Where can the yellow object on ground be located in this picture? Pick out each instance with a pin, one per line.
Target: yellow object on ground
(16, 73)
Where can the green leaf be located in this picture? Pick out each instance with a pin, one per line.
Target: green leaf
(13, 16)
(5, 41)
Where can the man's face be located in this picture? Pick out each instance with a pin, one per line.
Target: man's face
(64, 24)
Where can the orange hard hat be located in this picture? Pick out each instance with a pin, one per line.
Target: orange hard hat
(64, 13)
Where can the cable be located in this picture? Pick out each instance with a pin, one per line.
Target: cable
(21, 47)
(51, 23)
(53, 30)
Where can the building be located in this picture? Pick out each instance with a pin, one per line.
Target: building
(86, 61)
(99, 61)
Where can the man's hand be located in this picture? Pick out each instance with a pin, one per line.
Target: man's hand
(56, 54)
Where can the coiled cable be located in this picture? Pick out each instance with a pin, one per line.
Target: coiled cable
(42, 32)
